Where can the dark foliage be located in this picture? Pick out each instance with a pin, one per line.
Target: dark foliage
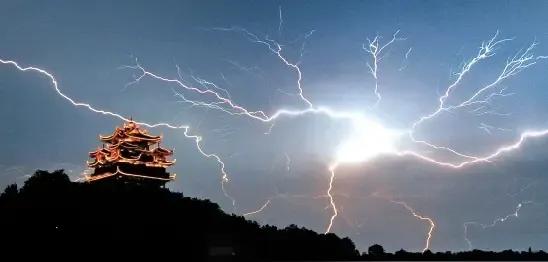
(474, 255)
(52, 213)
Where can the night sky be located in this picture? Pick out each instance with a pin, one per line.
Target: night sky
(87, 44)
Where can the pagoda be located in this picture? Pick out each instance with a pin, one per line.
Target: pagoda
(131, 155)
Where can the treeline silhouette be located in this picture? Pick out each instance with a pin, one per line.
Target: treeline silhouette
(49, 211)
(376, 252)
(53, 214)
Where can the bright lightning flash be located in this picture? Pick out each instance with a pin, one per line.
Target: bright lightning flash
(430, 221)
(368, 138)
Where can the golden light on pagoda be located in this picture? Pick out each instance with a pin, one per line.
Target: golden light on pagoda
(131, 154)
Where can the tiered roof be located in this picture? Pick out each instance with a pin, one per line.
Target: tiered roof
(130, 147)
(130, 132)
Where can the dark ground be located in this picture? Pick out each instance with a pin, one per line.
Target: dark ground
(50, 216)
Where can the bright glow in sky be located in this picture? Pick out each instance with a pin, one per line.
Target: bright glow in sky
(368, 139)
(277, 160)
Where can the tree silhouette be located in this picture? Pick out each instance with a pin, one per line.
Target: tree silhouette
(124, 218)
(53, 214)
(376, 250)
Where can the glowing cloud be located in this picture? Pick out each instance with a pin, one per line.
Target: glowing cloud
(368, 139)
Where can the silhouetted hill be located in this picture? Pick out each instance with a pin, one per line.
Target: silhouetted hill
(51, 211)
(474, 255)
(50, 215)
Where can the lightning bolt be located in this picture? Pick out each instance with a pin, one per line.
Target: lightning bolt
(331, 199)
(287, 163)
(278, 195)
(375, 49)
(265, 205)
(277, 49)
(412, 211)
(217, 98)
(495, 222)
(185, 128)
(488, 128)
(486, 50)
(406, 57)
(481, 98)
(514, 65)
(281, 20)
(429, 220)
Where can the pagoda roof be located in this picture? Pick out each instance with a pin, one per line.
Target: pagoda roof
(130, 132)
(124, 144)
(162, 151)
(100, 157)
(120, 172)
(103, 151)
(132, 147)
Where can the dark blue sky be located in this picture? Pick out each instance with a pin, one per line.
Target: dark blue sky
(84, 44)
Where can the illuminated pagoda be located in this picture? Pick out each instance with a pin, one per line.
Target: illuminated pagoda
(131, 155)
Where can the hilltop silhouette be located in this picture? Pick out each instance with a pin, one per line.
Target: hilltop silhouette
(49, 212)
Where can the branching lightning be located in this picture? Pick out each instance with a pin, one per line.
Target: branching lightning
(375, 49)
(495, 222)
(185, 128)
(412, 211)
(430, 221)
(277, 49)
(368, 138)
(481, 99)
